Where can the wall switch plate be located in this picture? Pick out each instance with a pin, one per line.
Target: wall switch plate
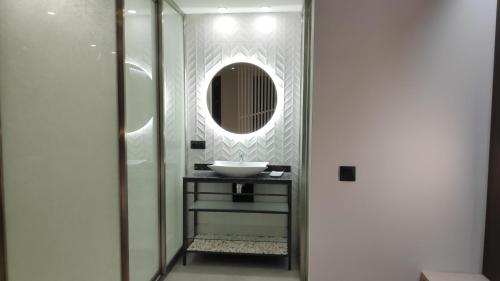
(197, 144)
(347, 173)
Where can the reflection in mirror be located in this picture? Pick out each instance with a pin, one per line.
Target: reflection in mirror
(241, 98)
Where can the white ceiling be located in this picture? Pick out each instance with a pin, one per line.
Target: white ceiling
(238, 6)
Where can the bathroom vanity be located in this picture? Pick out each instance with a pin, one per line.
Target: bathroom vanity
(193, 242)
(241, 100)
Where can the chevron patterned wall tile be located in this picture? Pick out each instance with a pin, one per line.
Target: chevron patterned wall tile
(280, 50)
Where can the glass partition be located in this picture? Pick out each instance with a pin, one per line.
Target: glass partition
(142, 139)
(59, 131)
(174, 125)
(58, 95)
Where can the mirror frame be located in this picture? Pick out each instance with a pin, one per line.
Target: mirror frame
(278, 112)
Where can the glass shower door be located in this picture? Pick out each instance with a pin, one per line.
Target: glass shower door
(141, 139)
(172, 27)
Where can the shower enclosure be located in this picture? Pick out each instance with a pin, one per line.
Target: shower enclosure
(92, 139)
(154, 138)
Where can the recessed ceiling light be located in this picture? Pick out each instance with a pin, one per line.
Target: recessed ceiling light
(266, 9)
(132, 12)
(222, 10)
(114, 53)
(93, 45)
(233, 68)
(51, 13)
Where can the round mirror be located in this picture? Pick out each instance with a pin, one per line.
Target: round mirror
(241, 98)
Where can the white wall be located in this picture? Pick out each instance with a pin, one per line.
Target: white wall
(60, 139)
(402, 90)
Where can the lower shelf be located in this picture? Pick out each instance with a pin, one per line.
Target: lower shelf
(239, 244)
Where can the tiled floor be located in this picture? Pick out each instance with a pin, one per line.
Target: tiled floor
(232, 268)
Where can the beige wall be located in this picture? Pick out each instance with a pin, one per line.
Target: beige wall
(60, 142)
(402, 90)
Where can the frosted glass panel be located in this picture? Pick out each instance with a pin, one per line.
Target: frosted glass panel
(174, 125)
(60, 139)
(142, 139)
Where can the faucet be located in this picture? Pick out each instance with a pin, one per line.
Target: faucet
(241, 156)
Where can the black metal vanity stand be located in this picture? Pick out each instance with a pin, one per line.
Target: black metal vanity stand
(199, 205)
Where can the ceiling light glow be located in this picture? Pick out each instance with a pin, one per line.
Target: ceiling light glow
(225, 25)
(222, 10)
(93, 45)
(266, 9)
(265, 24)
(132, 12)
(51, 13)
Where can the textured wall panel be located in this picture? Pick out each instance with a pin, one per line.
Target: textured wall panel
(207, 48)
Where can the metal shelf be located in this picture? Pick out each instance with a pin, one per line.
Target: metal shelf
(234, 193)
(235, 245)
(239, 207)
(246, 246)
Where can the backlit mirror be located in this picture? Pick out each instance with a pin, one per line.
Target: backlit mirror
(241, 98)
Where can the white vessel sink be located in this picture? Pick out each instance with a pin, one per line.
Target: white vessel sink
(238, 169)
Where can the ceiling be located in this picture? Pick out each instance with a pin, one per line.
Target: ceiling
(238, 6)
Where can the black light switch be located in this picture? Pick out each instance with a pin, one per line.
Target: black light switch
(197, 144)
(347, 173)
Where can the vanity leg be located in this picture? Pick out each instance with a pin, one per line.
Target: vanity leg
(185, 221)
(289, 225)
(195, 212)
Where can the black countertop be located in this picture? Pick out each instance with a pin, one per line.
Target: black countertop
(210, 176)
